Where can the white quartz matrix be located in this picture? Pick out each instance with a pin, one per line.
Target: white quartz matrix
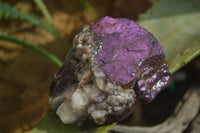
(81, 91)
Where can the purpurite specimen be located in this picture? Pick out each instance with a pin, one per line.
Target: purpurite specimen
(114, 65)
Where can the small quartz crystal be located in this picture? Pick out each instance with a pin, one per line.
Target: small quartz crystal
(113, 66)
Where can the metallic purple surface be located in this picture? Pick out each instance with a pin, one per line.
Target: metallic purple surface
(124, 45)
(154, 78)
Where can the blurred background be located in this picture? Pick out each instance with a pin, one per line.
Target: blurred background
(25, 76)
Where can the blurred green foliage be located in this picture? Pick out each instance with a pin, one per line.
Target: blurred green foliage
(7, 11)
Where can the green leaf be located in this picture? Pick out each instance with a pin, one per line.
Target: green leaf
(32, 47)
(7, 11)
(44, 10)
(105, 128)
(89, 8)
(176, 25)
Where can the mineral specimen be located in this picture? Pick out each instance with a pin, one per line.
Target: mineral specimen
(114, 65)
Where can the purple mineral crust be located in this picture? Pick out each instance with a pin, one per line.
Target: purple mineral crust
(127, 52)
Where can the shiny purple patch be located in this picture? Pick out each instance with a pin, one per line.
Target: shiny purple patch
(129, 54)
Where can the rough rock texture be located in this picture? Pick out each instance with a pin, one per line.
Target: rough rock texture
(113, 66)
